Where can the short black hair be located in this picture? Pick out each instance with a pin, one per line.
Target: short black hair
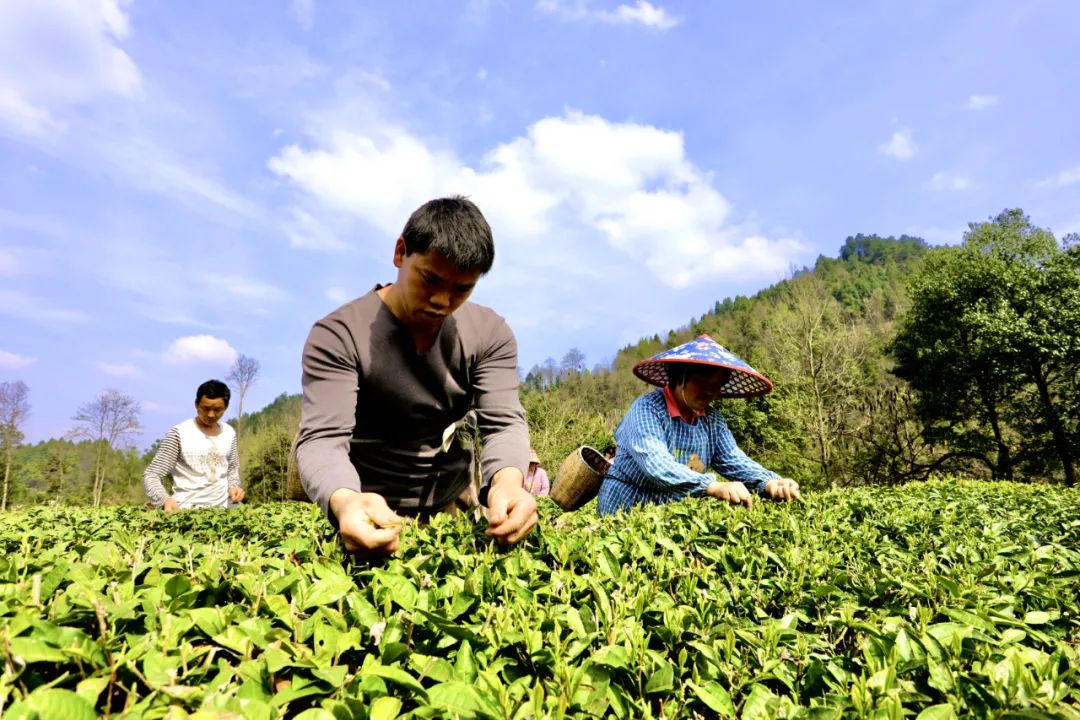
(456, 229)
(212, 390)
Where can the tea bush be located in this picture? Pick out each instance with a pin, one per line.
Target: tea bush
(938, 600)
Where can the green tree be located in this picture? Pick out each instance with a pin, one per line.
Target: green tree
(267, 461)
(992, 349)
(58, 467)
(819, 353)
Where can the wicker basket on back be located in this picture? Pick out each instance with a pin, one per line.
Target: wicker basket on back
(579, 478)
(295, 489)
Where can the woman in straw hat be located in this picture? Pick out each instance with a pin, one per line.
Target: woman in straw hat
(672, 435)
(536, 480)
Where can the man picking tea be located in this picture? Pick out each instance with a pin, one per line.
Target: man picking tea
(389, 380)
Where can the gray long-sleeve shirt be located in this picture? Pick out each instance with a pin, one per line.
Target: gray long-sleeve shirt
(375, 410)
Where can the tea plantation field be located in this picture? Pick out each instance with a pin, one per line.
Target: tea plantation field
(940, 600)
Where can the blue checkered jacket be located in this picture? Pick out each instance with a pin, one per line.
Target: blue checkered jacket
(651, 466)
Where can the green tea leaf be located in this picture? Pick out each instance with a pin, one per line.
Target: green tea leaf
(316, 714)
(465, 663)
(385, 708)
(395, 675)
(761, 704)
(51, 704)
(90, 689)
(715, 696)
(944, 711)
(614, 656)
(34, 650)
(326, 591)
(661, 681)
(455, 698)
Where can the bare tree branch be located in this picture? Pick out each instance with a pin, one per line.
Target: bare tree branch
(14, 409)
(243, 374)
(106, 421)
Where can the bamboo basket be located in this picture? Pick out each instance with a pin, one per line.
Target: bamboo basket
(579, 477)
(295, 488)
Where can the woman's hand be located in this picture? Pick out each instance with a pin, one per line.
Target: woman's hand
(782, 489)
(733, 492)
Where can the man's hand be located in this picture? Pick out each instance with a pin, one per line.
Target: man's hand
(733, 492)
(368, 527)
(170, 505)
(782, 489)
(236, 494)
(511, 508)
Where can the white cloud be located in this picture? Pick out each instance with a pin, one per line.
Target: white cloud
(947, 181)
(900, 145)
(306, 231)
(381, 176)
(981, 102)
(119, 370)
(338, 295)
(304, 10)
(1070, 176)
(58, 57)
(15, 303)
(482, 73)
(24, 118)
(127, 261)
(58, 54)
(566, 9)
(197, 349)
(14, 361)
(576, 179)
(244, 288)
(148, 167)
(641, 12)
(75, 61)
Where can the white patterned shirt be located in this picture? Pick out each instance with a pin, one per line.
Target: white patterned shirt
(203, 468)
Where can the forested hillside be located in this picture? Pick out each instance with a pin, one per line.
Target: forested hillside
(889, 362)
(837, 416)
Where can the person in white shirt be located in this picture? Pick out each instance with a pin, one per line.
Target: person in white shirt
(201, 456)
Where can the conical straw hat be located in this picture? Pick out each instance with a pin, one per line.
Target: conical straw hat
(744, 382)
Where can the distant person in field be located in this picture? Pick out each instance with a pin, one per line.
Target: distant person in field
(672, 435)
(390, 380)
(536, 479)
(201, 456)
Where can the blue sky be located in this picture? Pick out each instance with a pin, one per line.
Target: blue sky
(181, 182)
